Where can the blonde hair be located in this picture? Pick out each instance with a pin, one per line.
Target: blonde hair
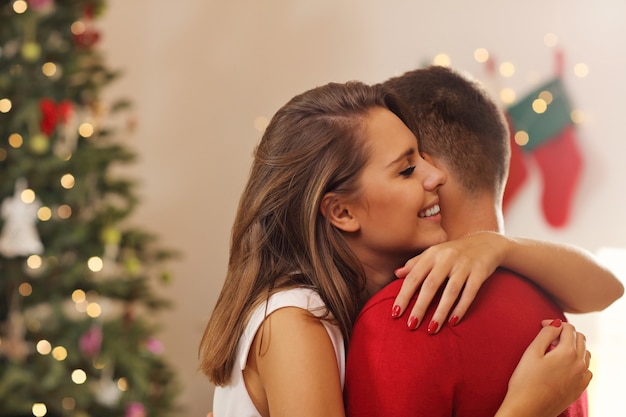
(280, 239)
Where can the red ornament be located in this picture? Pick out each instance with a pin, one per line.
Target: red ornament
(48, 116)
(53, 113)
(87, 39)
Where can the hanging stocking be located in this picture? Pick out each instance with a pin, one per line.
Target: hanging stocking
(545, 116)
(560, 163)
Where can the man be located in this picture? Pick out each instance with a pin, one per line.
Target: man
(464, 370)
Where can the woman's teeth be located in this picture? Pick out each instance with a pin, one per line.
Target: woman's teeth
(430, 211)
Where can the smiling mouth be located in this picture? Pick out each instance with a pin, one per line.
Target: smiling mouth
(431, 211)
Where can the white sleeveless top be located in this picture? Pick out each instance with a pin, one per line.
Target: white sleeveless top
(233, 400)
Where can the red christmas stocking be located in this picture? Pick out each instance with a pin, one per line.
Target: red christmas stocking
(544, 115)
(560, 162)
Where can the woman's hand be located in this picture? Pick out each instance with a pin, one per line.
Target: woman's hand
(552, 374)
(466, 263)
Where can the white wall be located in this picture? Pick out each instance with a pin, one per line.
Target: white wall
(200, 72)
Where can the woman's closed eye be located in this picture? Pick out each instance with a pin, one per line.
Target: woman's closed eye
(407, 172)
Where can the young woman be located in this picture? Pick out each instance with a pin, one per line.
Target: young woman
(338, 197)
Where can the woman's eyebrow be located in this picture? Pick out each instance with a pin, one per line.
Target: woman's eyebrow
(405, 154)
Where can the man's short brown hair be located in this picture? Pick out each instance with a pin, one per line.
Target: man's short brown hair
(459, 123)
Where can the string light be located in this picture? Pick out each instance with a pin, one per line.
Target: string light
(578, 116)
(79, 376)
(260, 123)
(78, 28)
(59, 353)
(5, 105)
(539, 106)
(78, 296)
(64, 211)
(68, 403)
(67, 181)
(94, 310)
(80, 299)
(507, 95)
(16, 140)
(442, 60)
(122, 384)
(481, 55)
(44, 347)
(25, 289)
(27, 196)
(20, 6)
(507, 69)
(39, 409)
(95, 264)
(49, 69)
(581, 70)
(550, 40)
(521, 138)
(34, 261)
(86, 129)
(546, 96)
(44, 213)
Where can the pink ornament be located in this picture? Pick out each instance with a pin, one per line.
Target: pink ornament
(135, 409)
(91, 342)
(154, 345)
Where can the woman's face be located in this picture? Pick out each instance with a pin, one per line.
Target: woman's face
(397, 206)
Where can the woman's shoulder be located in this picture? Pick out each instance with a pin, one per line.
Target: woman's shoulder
(291, 301)
(301, 297)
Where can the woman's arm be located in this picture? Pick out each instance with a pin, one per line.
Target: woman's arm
(576, 281)
(296, 365)
(547, 380)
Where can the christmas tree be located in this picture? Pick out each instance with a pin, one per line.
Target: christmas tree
(77, 300)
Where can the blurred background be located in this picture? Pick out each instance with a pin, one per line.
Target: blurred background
(206, 76)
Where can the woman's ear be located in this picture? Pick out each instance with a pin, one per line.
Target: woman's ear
(339, 213)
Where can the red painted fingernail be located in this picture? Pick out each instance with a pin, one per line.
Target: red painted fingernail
(395, 312)
(413, 321)
(432, 327)
(555, 323)
(453, 320)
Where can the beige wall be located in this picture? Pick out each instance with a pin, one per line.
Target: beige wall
(200, 72)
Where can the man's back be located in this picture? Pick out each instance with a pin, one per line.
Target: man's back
(462, 371)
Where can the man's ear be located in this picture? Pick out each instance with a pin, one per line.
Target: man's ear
(427, 158)
(338, 212)
(436, 162)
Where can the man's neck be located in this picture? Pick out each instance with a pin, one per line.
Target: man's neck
(477, 214)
